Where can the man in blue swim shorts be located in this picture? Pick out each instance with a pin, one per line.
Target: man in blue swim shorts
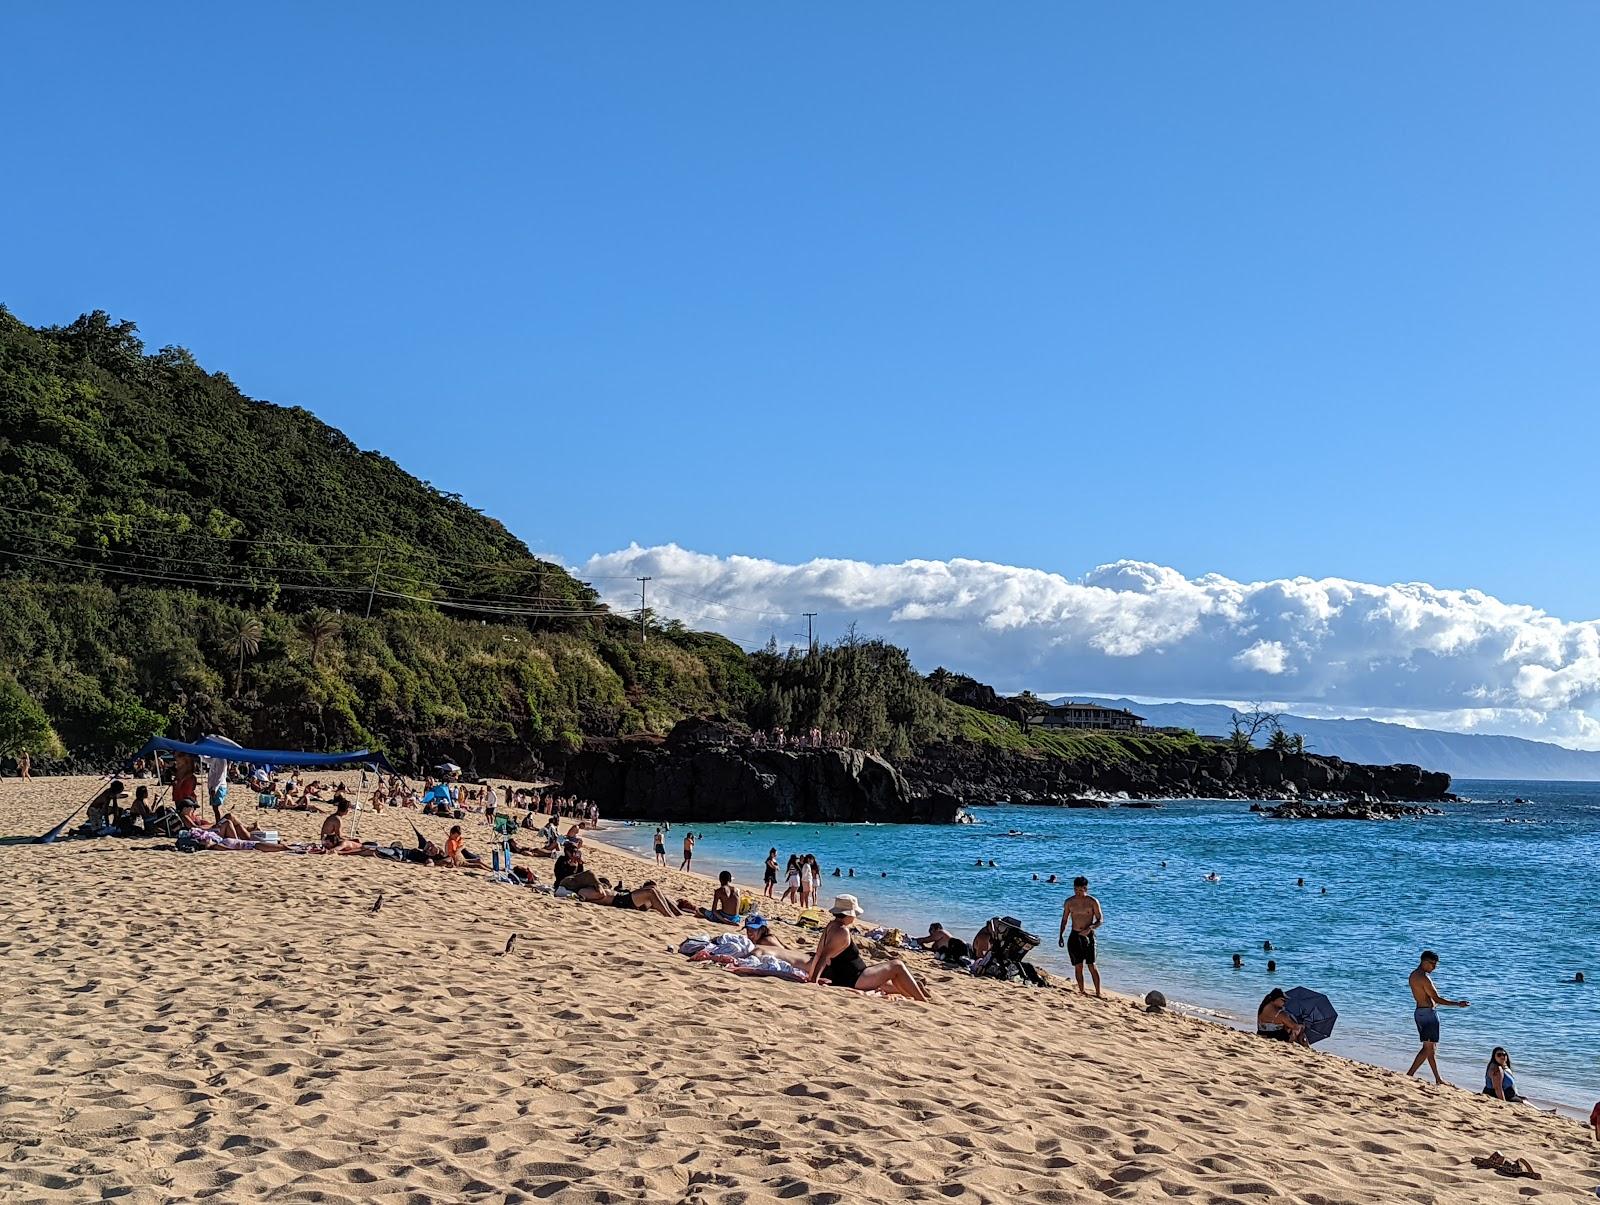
(1429, 1002)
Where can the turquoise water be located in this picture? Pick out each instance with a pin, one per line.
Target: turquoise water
(1508, 895)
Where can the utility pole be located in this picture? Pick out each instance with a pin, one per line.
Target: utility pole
(810, 643)
(643, 636)
(373, 589)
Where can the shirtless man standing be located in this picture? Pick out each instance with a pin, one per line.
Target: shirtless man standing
(1082, 912)
(688, 851)
(1429, 1001)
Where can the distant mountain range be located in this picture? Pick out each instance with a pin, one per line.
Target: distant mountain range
(1459, 754)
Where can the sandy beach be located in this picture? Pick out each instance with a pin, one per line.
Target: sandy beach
(235, 1027)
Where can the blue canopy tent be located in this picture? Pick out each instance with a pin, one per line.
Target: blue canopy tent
(264, 757)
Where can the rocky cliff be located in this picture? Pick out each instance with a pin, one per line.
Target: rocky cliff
(971, 773)
(708, 771)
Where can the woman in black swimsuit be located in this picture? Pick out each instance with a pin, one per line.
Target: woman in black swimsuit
(839, 962)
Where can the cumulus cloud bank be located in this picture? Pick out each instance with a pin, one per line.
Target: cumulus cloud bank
(1459, 659)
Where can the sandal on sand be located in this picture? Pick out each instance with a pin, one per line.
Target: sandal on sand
(1519, 1170)
(1494, 1160)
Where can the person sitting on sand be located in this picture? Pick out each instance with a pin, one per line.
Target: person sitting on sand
(724, 908)
(333, 838)
(837, 960)
(1497, 1081)
(936, 940)
(183, 779)
(455, 853)
(1273, 1020)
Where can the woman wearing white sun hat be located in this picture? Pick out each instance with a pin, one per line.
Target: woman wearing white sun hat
(839, 962)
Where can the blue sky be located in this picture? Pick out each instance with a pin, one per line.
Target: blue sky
(1249, 289)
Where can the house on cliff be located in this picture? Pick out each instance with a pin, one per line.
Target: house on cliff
(1091, 716)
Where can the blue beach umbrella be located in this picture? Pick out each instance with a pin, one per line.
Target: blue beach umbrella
(1311, 1009)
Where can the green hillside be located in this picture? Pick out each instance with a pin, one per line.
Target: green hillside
(178, 557)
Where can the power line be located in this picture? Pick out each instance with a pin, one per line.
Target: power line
(193, 580)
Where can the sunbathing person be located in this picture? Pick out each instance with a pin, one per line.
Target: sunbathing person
(724, 908)
(839, 962)
(189, 816)
(764, 940)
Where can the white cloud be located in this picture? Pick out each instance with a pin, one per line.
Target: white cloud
(1445, 658)
(1268, 656)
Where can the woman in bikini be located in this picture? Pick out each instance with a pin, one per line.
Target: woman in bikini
(838, 961)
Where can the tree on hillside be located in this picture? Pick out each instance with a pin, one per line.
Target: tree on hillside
(319, 626)
(941, 680)
(23, 723)
(1279, 741)
(1244, 727)
(246, 639)
(1032, 708)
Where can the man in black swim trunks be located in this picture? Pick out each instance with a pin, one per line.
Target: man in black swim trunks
(1082, 912)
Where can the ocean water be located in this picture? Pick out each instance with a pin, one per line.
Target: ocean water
(1507, 894)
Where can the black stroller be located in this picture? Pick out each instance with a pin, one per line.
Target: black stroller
(1009, 946)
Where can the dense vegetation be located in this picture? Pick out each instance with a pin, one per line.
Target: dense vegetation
(177, 557)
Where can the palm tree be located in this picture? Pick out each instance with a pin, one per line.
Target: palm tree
(1279, 741)
(319, 626)
(1297, 744)
(941, 680)
(246, 639)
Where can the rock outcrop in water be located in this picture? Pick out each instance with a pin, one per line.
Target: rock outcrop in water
(1355, 809)
(975, 774)
(711, 771)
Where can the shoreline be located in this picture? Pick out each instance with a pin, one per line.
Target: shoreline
(1116, 980)
(243, 1026)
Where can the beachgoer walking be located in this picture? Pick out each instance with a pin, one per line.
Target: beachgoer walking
(661, 847)
(1429, 1001)
(791, 891)
(1497, 1081)
(769, 877)
(24, 766)
(1082, 913)
(688, 850)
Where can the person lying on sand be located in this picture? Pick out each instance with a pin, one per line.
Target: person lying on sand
(837, 960)
(189, 816)
(761, 936)
(1273, 1020)
(591, 889)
